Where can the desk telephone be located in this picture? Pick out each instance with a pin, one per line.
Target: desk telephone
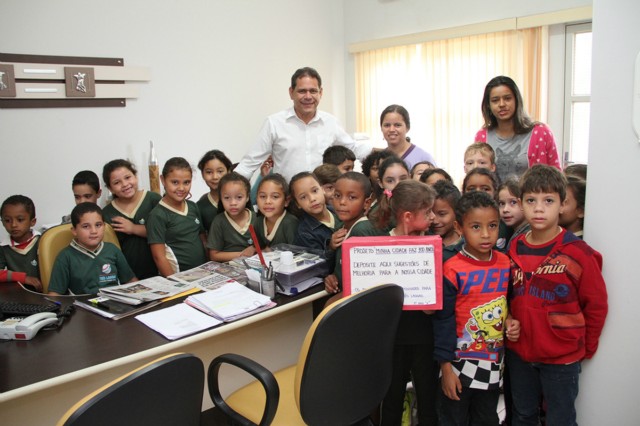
(26, 328)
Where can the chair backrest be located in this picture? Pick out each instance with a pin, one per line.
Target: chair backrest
(344, 367)
(53, 240)
(167, 391)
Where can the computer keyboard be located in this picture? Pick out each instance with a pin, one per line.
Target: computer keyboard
(12, 309)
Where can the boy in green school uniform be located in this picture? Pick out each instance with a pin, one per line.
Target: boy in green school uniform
(89, 263)
(19, 253)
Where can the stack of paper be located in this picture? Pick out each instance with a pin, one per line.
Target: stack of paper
(177, 321)
(230, 302)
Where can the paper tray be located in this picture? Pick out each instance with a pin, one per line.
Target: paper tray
(319, 268)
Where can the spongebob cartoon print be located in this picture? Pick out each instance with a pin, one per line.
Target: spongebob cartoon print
(483, 332)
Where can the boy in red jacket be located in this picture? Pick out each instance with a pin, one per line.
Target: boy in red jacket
(558, 294)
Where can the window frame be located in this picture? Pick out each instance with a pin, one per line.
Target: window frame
(571, 30)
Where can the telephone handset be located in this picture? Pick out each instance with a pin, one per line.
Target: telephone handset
(26, 328)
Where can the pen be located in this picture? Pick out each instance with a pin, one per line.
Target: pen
(53, 301)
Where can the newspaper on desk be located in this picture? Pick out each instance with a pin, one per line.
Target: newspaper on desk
(210, 275)
(146, 290)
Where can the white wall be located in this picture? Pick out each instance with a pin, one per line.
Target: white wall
(238, 56)
(219, 67)
(609, 383)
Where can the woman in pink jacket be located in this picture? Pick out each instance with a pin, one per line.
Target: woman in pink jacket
(518, 141)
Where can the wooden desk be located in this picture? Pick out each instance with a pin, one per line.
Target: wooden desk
(40, 379)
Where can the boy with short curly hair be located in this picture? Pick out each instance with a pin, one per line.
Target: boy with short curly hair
(19, 254)
(558, 293)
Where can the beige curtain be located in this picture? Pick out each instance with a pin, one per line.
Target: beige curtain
(441, 84)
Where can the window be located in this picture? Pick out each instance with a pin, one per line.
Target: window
(577, 93)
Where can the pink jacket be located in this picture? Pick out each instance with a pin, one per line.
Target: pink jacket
(542, 147)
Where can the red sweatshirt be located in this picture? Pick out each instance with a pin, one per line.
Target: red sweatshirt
(560, 299)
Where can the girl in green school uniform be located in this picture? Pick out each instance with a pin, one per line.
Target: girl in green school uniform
(174, 229)
(275, 225)
(229, 235)
(213, 165)
(128, 213)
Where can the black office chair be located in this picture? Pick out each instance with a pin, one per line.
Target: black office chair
(165, 392)
(343, 370)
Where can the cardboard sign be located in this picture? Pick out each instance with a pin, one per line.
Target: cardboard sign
(412, 262)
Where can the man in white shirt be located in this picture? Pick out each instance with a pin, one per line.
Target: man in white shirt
(297, 137)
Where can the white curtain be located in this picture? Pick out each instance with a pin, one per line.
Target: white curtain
(441, 84)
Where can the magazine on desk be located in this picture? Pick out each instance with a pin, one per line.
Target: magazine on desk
(210, 275)
(230, 301)
(154, 288)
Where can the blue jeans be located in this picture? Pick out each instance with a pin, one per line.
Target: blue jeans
(556, 383)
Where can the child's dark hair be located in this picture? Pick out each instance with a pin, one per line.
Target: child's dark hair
(474, 200)
(437, 171)
(447, 191)
(234, 177)
(388, 162)
(174, 163)
(82, 209)
(420, 163)
(408, 196)
(579, 170)
(358, 177)
(327, 173)
(215, 154)
(512, 185)
(337, 155)
(370, 161)
(87, 177)
(113, 165)
(484, 172)
(543, 178)
(300, 176)
(276, 178)
(293, 207)
(20, 200)
(578, 187)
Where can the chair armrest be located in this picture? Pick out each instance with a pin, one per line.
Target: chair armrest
(263, 375)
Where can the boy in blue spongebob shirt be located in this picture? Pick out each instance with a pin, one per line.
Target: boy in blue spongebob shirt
(88, 264)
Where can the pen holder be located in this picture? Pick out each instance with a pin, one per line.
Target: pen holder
(268, 287)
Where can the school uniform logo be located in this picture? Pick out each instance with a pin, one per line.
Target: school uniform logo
(141, 222)
(197, 221)
(34, 262)
(106, 268)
